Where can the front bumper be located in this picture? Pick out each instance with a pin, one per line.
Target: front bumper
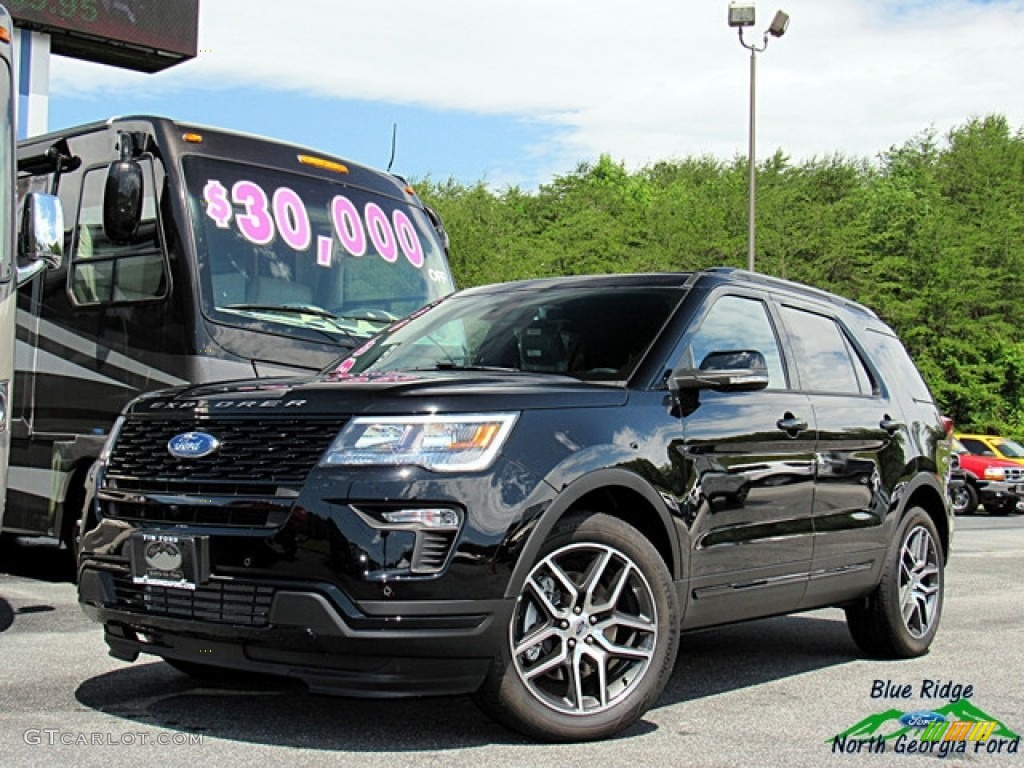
(310, 632)
(999, 493)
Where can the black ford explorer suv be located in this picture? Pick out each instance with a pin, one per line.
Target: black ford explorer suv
(527, 491)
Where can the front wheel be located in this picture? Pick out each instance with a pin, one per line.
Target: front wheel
(593, 636)
(1001, 509)
(899, 619)
(964, 499)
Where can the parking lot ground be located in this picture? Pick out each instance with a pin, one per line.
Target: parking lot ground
(768, 693)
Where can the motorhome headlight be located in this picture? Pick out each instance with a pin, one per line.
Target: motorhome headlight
(465, 442)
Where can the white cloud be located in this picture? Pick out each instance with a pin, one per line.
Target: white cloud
(642, 81)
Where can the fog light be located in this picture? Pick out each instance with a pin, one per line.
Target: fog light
(423, 518)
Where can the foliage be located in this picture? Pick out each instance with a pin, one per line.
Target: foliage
(930, 235)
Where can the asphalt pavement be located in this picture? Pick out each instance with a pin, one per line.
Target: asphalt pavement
(775, 692)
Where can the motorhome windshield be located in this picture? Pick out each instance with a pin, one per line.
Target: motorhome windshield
(300, 250)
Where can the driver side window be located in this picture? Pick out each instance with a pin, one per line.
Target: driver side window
(737, 323)
(104, 271)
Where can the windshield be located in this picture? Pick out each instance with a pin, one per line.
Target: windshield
(1009, 448)
(299, 250)
(588, 332)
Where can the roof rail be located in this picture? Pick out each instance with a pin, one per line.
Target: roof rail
(779, 282)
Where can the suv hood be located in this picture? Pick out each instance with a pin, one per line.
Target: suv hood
(390, 393)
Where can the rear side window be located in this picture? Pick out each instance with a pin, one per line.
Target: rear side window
(825, 359)
(895, 365)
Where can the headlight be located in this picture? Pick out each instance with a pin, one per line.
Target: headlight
(454, 443)
(995, 473)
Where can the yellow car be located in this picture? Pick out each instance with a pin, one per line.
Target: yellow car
(993, 446)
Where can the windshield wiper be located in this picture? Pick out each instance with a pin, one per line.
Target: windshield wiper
(380, 317)
(288, 309)
(296, 309)
(459, 367)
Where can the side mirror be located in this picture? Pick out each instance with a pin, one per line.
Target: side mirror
(122, 195)
(41, 235)
(442, 233)
(726, 371)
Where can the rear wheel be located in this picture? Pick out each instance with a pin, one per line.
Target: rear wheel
(899, 619)
(593, 636)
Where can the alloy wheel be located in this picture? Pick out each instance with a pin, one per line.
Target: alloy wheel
(920, 581)
(584, 630)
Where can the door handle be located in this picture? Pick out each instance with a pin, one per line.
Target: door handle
(791, 425)
(889, 425)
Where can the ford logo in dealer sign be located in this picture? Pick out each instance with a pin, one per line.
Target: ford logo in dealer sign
(192, 445)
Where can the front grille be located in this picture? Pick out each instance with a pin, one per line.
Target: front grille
(251, 480)
(252, 455)
(255, 515)
(221, 602)
(1014, 474)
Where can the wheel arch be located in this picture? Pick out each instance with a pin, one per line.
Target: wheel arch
(928, 496)
(614, 492)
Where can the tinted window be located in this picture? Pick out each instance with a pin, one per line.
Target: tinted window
(893, 362)
(104, 271)
(824, 357)
(595, 333)
(976, 447)
(736, 323)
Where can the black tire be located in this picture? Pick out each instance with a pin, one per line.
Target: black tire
(69, 533)
(73, 503)
(899, 619)
(964, 499)
(597, 584)
(1002, 509)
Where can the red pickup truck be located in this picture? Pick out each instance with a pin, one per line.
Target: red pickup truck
(996, 483)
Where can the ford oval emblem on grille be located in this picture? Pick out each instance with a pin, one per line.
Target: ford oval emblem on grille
(192, 445)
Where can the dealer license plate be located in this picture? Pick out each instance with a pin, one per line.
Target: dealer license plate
(166, 560)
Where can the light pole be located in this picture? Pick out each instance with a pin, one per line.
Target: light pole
(741, 14)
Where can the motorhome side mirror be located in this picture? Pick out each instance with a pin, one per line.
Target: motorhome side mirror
(442, 233)
(40, 236)
(743, 370)
(122, 200)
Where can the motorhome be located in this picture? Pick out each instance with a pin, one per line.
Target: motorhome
(38, 249)
(194, 255)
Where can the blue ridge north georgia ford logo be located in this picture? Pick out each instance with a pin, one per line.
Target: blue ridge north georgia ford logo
(192, 445)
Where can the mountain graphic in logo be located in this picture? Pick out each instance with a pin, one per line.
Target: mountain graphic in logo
(887, 725)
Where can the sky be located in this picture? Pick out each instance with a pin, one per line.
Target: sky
(517, 92)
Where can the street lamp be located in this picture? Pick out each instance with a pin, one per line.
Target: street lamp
(741, 15)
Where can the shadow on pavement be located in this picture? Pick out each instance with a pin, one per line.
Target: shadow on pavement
(268, 711)
(38, 559)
